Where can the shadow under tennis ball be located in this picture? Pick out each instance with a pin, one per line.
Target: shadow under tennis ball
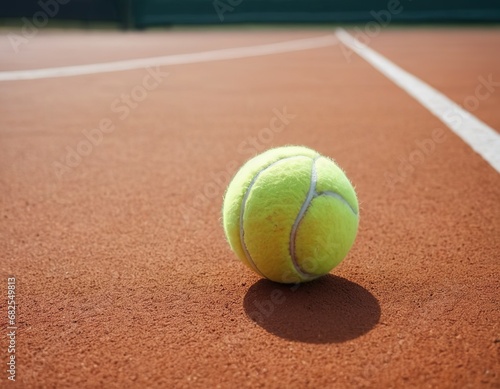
(328, 310)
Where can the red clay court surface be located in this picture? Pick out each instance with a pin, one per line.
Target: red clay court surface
(124, 278)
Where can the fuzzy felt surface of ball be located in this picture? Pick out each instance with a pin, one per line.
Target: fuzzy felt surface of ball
(290, 214)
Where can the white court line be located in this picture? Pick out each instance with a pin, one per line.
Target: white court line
(176, 59)
(483, 139)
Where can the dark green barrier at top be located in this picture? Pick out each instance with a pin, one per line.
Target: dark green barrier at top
(164, 12)
(144, 13)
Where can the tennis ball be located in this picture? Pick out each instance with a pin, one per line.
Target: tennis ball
(290, 214)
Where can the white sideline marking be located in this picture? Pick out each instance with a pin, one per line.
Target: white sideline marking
(176, 59)
(483, 139)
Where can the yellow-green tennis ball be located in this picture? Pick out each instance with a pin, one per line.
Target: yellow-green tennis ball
(290, 214)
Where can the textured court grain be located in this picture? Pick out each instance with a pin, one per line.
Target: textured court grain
(124, 277)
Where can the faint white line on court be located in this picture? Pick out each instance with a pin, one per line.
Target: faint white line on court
(483, 139)
(176, 59)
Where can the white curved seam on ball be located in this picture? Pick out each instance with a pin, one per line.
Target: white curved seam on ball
(339, 197)
(300, 216)
(242, 211)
